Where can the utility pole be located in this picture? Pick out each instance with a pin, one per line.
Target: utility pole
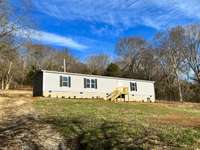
(64, 65)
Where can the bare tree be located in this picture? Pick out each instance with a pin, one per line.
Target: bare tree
(136, 57)
(45, 57)
(6, 29)
(128, 50)
(148, 63)
(9, 44)
(163, 75)
(193, 49)
(173, 57)
(98, 63)
(9, 64)
(59, 56)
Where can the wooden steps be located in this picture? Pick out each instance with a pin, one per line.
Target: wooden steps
(117, 92)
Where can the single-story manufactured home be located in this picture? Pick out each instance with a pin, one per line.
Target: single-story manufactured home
(75, 85)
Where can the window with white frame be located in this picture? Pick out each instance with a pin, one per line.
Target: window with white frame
(65, 81)
(133, 86)
(90, 83)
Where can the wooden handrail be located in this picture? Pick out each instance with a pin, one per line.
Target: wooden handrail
(117, 92)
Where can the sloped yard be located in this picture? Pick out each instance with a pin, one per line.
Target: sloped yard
(43, 123)
(87, 124)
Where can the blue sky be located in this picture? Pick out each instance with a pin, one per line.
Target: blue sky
(90, 27)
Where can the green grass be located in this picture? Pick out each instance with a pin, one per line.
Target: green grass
(88, 124)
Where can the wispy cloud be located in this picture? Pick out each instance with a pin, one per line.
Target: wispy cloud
(153, 13)
(50, 38)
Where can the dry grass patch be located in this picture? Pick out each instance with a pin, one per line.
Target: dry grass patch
(177, 120)
(20, 127)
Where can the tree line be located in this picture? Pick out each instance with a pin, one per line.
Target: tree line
(171, 59)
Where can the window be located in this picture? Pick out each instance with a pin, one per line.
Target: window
(90, 83)
(133, 86)
(65, 81)
(93, 83)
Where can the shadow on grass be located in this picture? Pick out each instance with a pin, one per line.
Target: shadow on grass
(80, 134)
(17, 133)
(28, 133)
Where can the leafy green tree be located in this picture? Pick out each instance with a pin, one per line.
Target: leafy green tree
(112, 70)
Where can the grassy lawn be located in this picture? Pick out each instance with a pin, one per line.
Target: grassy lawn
(88, 124)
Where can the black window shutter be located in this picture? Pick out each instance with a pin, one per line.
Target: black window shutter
(96, 83)
(136, 86)
(60, 81)
(69, 81)
(85, 82)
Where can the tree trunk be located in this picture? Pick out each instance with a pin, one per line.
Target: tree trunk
(8, 84)
(179, 87)
(2, 84)
(8, 77)
(180, 91)
(198, 77)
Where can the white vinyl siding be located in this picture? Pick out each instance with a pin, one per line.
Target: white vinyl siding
(98, 85)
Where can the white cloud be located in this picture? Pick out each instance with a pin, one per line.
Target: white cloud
(189, 8)
(50, 38)
(153, 13)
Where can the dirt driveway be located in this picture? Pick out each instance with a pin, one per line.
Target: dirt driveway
(20, 127)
